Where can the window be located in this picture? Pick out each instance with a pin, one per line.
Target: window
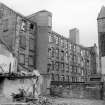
(70, 46)
(67, 78)
(49, 21)
(65, 43)
(62, 55)
(70, 68)
(52, 65)
(48, 67)
(22, 58)
(73, 79)
(52, 77)
(22, 41)
(56, 40)
(31, 28)
(62, 67)
(51, 39)
(57, 75)
(31, 61)
(1, 13)
(5, 25)
(70, 78)
(67, 68)
(62, 78)
(23, 25)
(49, 52)
(66, 57)
(74, 48)
(61, 42)
(52, 50)
(57, 53)
(31, 44)
(57, 66)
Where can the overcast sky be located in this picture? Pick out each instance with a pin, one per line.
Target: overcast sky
(67, 14)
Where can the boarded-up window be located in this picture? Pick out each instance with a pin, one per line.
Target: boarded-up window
(31, 44)
(5, 25)
(22, 58)
(22, 41)
(31, 61)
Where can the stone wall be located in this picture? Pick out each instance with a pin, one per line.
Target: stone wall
(91, 92)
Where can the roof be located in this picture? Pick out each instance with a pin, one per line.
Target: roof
(38, 13)
(101, 13)
(81, 46)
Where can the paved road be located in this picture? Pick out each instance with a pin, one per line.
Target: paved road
(78, 101)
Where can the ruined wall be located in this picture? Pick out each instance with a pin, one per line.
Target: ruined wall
(19, 34)
(7, 87)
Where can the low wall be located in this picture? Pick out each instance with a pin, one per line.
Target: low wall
(78, 92)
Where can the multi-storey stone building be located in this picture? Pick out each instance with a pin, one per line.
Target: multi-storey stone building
(68, 61)
(19, 34)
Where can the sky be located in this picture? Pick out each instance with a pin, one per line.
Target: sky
(67, 14)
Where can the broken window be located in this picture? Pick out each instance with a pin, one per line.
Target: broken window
(23, 25)
(31, 26)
